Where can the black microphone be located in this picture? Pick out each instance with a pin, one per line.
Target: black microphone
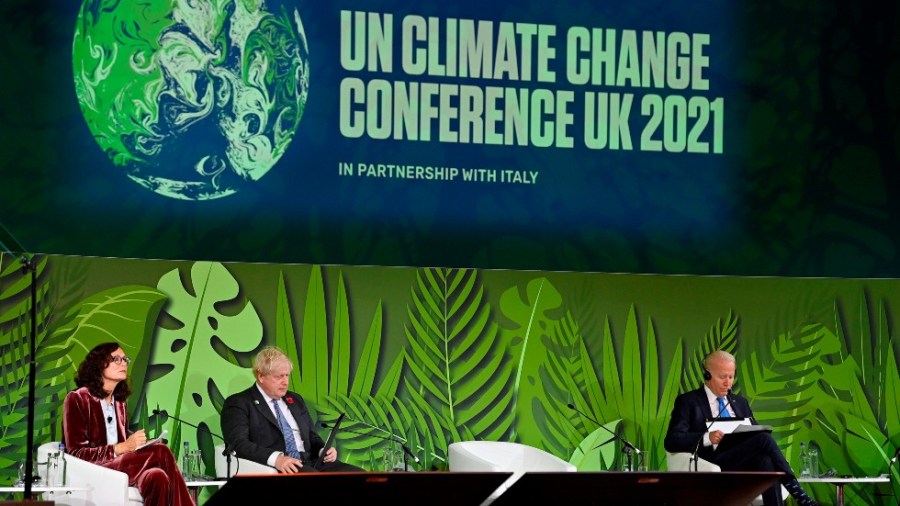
(228, 452)
(718, 417)
(628, 446)
(389, 437)
(204, 429)
(392, 438)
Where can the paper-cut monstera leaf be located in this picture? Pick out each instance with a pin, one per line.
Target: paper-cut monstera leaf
(205, 310)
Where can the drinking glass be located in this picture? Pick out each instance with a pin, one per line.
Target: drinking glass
(37, 479)
(197, 462)
(393, 458)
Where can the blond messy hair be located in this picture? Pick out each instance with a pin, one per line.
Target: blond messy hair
(268, 359)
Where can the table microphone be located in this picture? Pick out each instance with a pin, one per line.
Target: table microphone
(391, 437)
(399, 440)
(718, 417)
(228, 452)
(204, 429)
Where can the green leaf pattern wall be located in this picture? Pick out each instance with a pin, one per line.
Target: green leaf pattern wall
(439, 355)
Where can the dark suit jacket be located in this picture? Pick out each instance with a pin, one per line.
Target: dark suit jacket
(250, 428)
(689, 421)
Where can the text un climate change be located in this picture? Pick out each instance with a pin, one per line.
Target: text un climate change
(452, 111)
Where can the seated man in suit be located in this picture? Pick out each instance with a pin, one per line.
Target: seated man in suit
(755, 452)
(268, 424)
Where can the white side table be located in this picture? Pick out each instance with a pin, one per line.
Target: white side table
(53, 492)
(840, 482)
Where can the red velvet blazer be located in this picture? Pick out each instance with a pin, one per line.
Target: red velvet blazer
(84, 426)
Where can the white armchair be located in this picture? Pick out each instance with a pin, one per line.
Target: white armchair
(238, 466)
(682, 461)
(103, 486)
(499, 456)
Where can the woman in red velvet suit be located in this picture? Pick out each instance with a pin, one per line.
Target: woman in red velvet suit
(95, 425)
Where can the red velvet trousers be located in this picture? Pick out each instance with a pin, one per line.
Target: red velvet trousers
(153, 471)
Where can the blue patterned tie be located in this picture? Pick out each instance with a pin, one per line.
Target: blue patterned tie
(290, 444)
(723, 413)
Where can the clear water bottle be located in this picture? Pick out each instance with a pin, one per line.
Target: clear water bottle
(56, 467)
(804, 462)
(52, 466)
(186, 462)
(813, 454)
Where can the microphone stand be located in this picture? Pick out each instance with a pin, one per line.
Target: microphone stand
(390, 437)
(694, 458)
(627, 447)
(28, 267)
(228, 452)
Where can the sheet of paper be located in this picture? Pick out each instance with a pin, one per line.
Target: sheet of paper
(728, 425)
(153, 441)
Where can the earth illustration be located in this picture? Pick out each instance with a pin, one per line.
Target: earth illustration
(193, 100)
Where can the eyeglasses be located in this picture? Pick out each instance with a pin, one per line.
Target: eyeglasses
(118, 360)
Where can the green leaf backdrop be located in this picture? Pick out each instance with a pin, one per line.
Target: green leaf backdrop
(440, 355)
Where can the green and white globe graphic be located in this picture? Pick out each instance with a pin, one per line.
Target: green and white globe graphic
(193, 99)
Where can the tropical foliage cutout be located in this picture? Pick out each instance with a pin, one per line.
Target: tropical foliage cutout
(465, 370)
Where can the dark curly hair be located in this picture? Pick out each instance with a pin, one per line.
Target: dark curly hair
(90, 372)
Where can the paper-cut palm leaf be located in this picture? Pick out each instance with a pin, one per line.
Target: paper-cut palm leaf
(364, 379)
(391, 418)
(597, 451)
(871, 430)
(459, 362)
(866, 336)
(314, 348)
(339, 378)
(285, 338)
(636, 397)
(123, 314)
(892, 415)
(562, 378)
(323, 377)
(804, 394)
(722, 335)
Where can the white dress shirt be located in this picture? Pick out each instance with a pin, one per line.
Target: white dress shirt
(109, 418)
(714, 409)
(288, 417)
